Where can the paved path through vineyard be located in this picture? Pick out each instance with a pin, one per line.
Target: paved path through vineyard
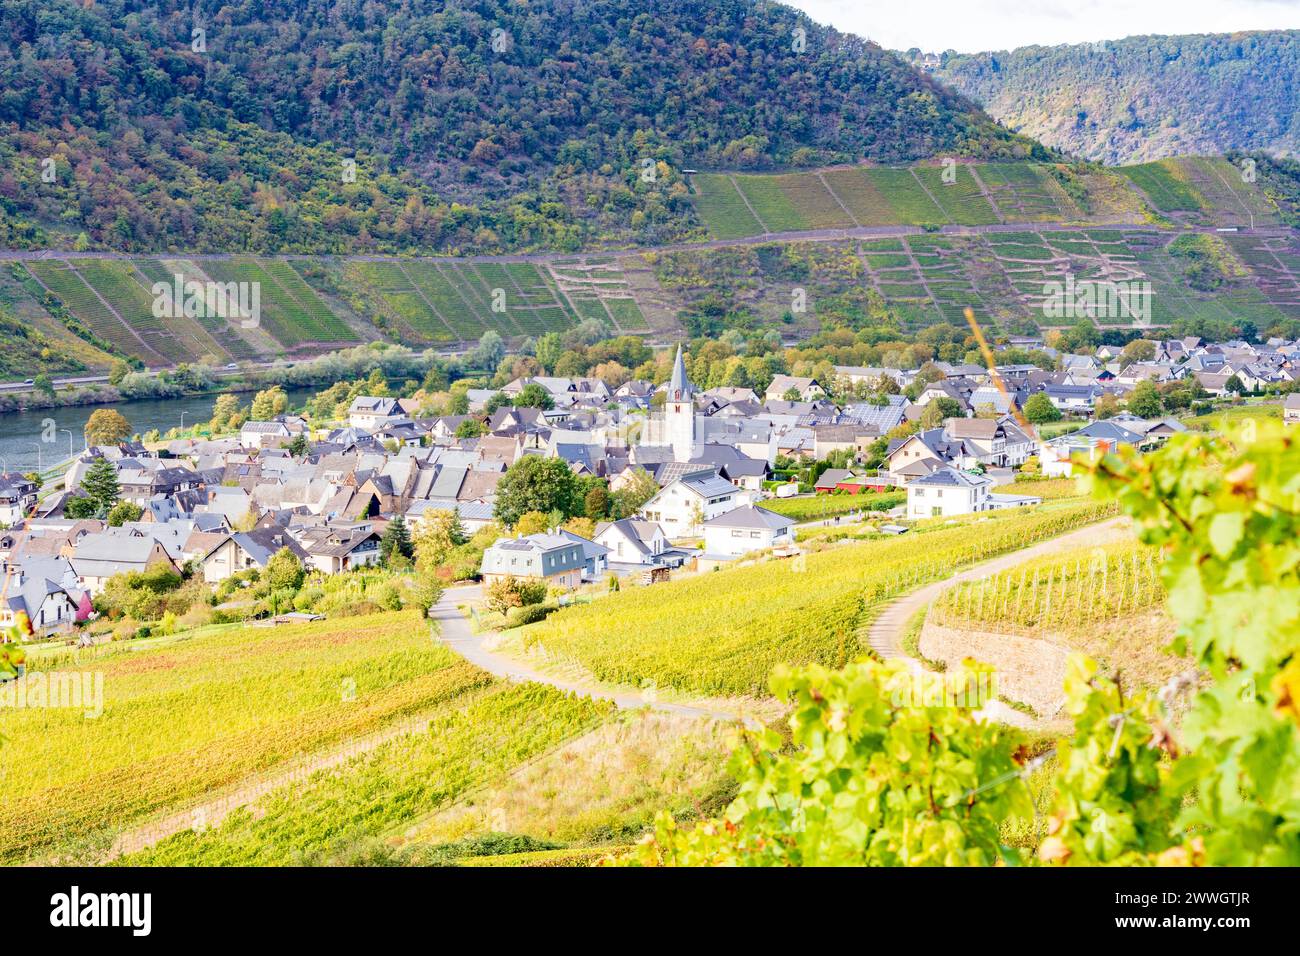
(460, 637)
(887, 630)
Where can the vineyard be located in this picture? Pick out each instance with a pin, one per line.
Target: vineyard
(338, 816)
(734, 205)
(179, 721)
(722, 633)
(831, 506)
(1107, 602)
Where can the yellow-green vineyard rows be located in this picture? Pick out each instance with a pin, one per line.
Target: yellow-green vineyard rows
(1079, 587)
(722, 633)
(334, 814)
(200, 714)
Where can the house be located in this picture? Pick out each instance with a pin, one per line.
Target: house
(264, 434)
(1073, 399)
(17, 497)
(595, 556)
(1291, 409)
(99, 557)
(808, 389)
(46, 590)
(335, 549)
(685, 503)
(946, 492)
(138, 484)
(552, 558)
(371, 413)
(746, 529)
(636, 542)
(244, 550)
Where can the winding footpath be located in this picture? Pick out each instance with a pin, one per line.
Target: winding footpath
(457, 634)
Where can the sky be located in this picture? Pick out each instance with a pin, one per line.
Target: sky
(972, 26)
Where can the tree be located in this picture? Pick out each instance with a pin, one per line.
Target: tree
(1107, 406)
(100, 485)
(533, 395)
(107, 426)
(268, 403)
(283, 572)
(1145, 400)
(1139, 350)
(636, 491)
(505, 593)
(434, 537)
(549, 349)
(471, 428)
(1040, 410)
(225, 413)
(118, 371)
(596, 502)
(299, 447)
(395, 542)
(582, 527)
(78, 508)
(532, 522)
(536, 484)
(939, 410)
(1235, 385)
(124, 512)
(44, 384)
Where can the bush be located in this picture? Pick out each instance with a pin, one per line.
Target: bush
(530, 614)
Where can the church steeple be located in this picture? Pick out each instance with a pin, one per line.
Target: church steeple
(679, 386)
(679, 411)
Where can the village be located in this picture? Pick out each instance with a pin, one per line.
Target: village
(665, 479)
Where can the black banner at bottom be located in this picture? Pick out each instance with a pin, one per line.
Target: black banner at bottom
(340, 905)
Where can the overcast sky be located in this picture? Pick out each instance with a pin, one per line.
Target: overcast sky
(971, 26)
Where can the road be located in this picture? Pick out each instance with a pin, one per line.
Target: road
(458, 635)
(805, 235)
(886, 631)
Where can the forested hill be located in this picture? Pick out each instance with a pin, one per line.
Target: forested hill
(476, 126)
(1144, 98)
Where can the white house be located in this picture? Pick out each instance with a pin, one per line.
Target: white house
(685, 503)
(946, 492)
(631, 541)
(263, 434)
(17, 496)
(746, 529)
(371, 413)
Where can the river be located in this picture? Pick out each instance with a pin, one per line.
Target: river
(22, 450)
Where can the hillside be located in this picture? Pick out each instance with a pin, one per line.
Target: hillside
(1143, 98)
(481, 127)
(865, 244)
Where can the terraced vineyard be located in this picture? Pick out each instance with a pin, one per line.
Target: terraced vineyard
(987, 236)
(971, 194)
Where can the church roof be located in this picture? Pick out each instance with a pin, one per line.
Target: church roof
(679, 386)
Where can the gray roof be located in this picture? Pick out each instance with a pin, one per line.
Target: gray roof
(750, 516)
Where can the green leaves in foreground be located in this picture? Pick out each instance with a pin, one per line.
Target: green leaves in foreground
(873, 778)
